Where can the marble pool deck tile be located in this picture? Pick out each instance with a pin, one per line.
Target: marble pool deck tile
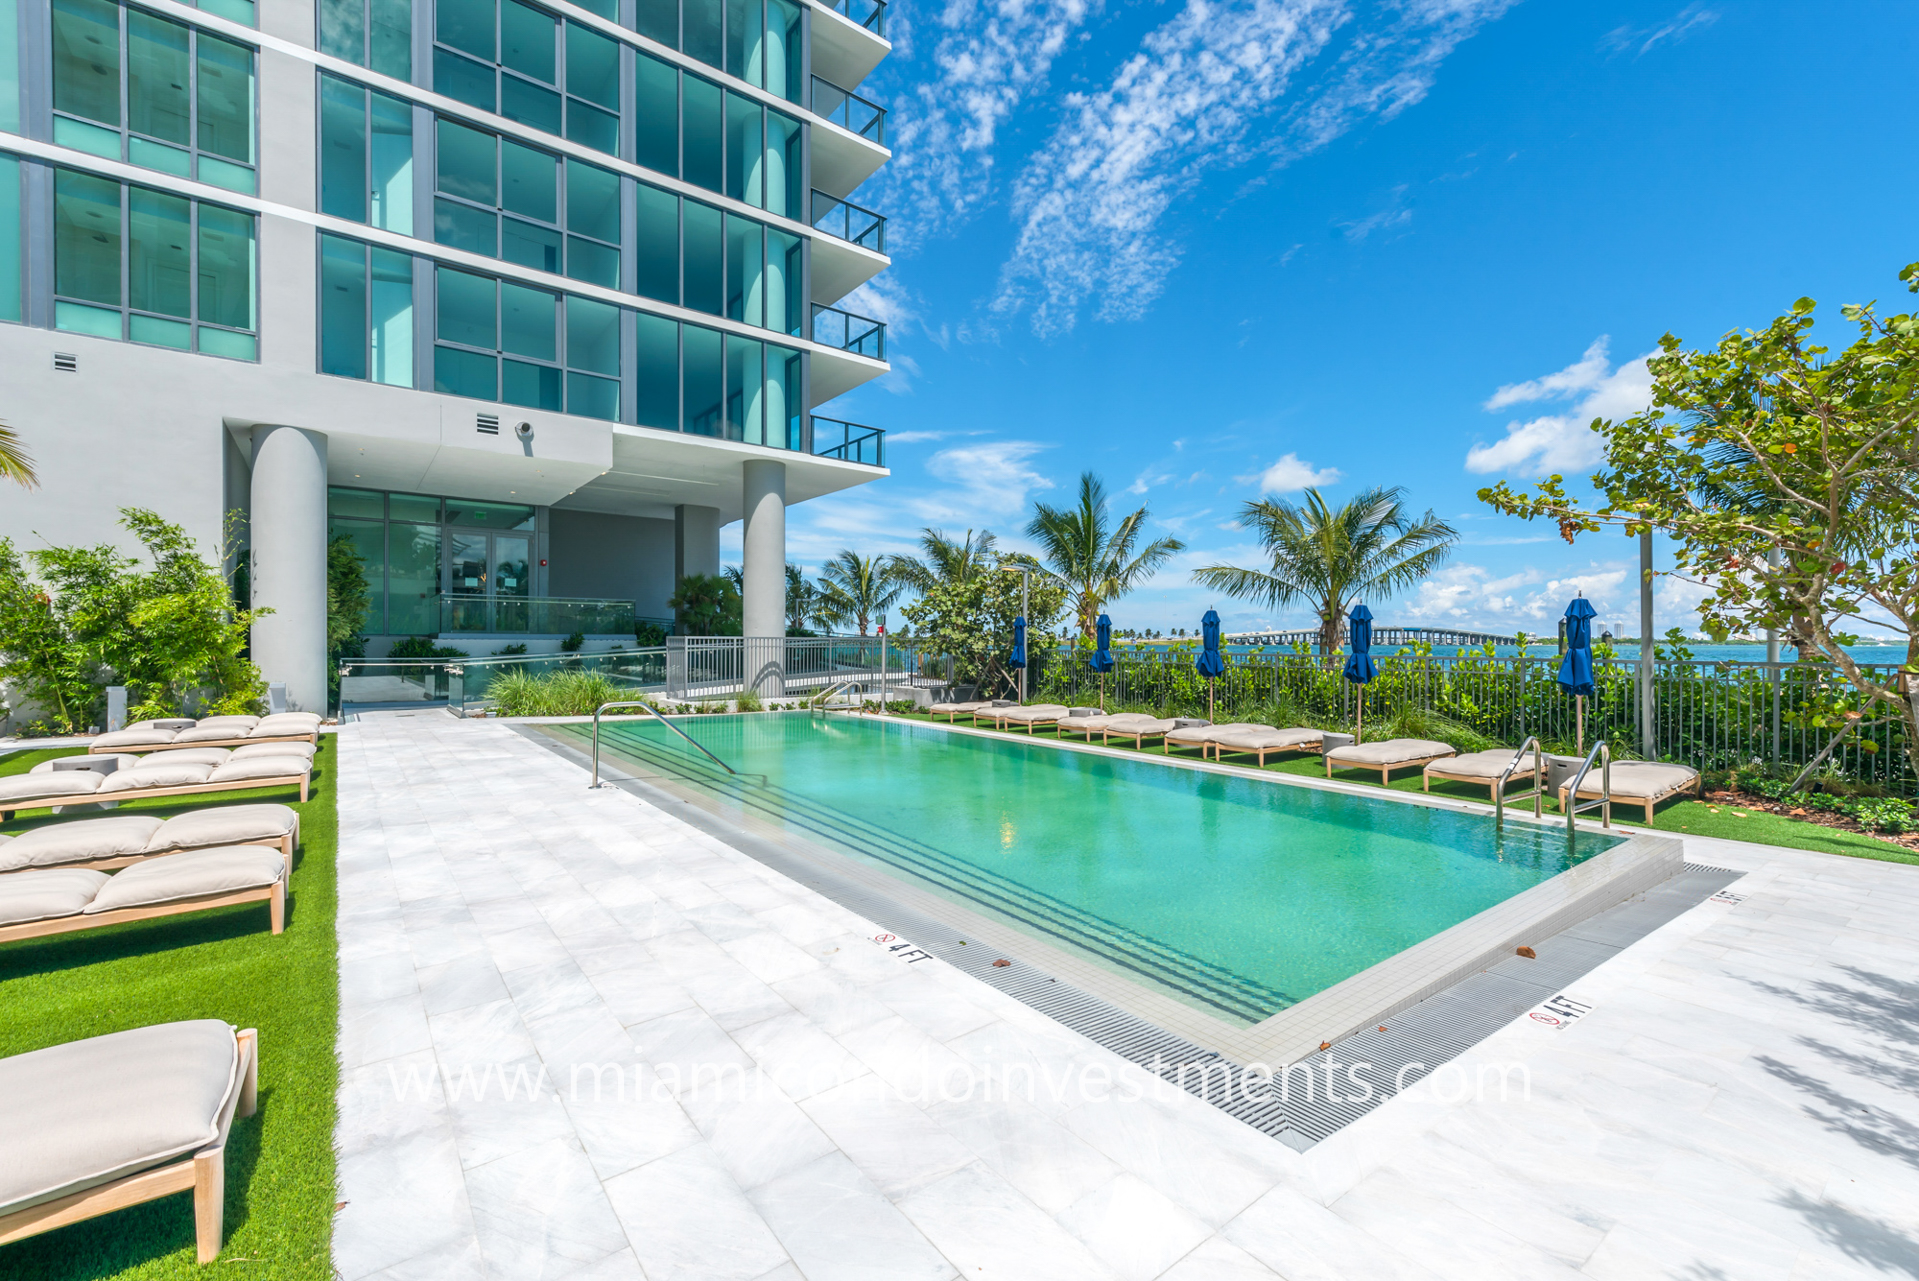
(1733, 1105)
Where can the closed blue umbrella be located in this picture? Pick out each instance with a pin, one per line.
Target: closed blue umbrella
(1017, 659)
(1102, 659)
(1576, 669)
(1211, 663)
(1360, 668)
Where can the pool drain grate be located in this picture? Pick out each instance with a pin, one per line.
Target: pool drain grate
(1339, 1085)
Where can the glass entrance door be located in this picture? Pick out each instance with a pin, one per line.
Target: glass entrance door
(489, 581)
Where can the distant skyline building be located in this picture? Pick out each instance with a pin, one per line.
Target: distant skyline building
(527, 301)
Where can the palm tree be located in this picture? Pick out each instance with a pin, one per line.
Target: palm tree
(942, 560)
(1094, 559)
(1331, 557)
(802, 599)
(857, 587)
(16, 464)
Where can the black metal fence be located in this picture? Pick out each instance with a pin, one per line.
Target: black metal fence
(1710, 715)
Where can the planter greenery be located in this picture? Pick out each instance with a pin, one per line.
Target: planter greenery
(165, 625)
(561, 693)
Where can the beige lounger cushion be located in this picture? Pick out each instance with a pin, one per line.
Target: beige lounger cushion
(47, 893)
(1484, 765)
(87, 1112)
(1197, 734)
(958, 707)
(1638, 780)
(30, 786)
(1039, 711)
(134, 737)
(261, 767)
(194, 756)
(285, 723)
(251, 750)
(239, 722)
(210, 734)
(194, 875)
(1270, 740)
(224, 825)
(159, 772)
(1139, 723)
(1391, 752)
(79, 842)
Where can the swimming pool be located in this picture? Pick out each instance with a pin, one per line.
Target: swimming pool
(1238, 895)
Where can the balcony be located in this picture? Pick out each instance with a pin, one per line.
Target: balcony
(846, 221)
(861, 335)
(849, 111)
(870, 14)
(852, 442)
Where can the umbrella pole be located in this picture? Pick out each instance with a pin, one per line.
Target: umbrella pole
(1209, 698)
(1359, 727)
(1579, 731)
(1102, 691)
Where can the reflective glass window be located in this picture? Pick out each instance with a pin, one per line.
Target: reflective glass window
(745, 391)
(467, 164)
(86, 59)
(390, 308)
(703, 132)
(343, 307)
(343, 149)
(656, 115)
(466, 308)
(785, 167)
(745, 299)
(528, 321)
(529, 181)
(226, 271)
(466, 25)
(86, 238)
(785, 288)
(160, 254)
(701, 27)
(745, 152)
(225, 98)
(10, 242)
(704, 278)
(592, 66)
(784, 45)
(528, 37)
(658, 20)
(159, 71)
(702, 390)
(656, 243)
(657, 372)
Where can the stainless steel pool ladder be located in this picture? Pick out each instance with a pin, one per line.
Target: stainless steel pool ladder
(669, 724)
(818, 703)
(1538, 794)
(1604, 803)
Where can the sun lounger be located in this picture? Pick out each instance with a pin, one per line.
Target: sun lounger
(1387, 756)
(1644, 783)
(59, 900)
(1484, 768)
(214, 731)
(1265, 740)
(1202, 736)
(1028, 717)
(953, 711)
(98, 1125)
(48, 786)
(122, 839)
(1137, 726)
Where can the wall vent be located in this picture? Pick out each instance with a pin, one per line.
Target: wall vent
(66, 362)
(488, 423)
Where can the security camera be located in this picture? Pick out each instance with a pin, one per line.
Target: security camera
(524, 431)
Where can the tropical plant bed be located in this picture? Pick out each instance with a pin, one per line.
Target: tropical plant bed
(221, 964)
(1797, 811)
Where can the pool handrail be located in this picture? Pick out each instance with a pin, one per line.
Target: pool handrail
(1538, 794)
(640, 702)
(1604, 803)
(818, 702)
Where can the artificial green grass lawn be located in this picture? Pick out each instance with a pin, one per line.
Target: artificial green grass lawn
(222, 964)
(1694, 818)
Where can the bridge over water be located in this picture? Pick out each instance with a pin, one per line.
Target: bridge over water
(1383, 637)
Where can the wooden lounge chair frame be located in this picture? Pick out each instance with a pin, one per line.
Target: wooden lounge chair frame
(204, 1174)
(1317, 748)
(274, 896)
(1696, 785)
(10, 808)
(1385, 771)
(143, 749)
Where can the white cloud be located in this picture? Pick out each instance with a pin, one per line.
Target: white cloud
(989, 57)
(1090, 202)
(992, 479)
(1676, 28)
(912, 437)
(1564, 442)
(1289, 475)
(1394, 214)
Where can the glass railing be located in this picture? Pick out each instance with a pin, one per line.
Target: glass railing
(853, 442)
(464, 684)
(835, 328)
(849, 111)
(870, 14)
(849, 222)
(536, 615)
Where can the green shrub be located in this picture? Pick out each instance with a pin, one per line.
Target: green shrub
(510, 650)
(749, 701)
(572, 644)
(423, 647)
(554, 694)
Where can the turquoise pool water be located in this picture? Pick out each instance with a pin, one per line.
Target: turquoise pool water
(1240, 896)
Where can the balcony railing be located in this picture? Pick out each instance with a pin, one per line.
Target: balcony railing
(853, 442)
(849, 111)
(536, 615)
(870, 14)
(849, 222)
(835, 328)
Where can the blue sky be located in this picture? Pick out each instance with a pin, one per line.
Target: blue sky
(1217, 249)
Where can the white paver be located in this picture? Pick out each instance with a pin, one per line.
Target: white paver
(580, 1039)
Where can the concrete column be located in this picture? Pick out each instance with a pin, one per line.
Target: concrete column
(696, 541)
(288, 525)
(764, 598)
